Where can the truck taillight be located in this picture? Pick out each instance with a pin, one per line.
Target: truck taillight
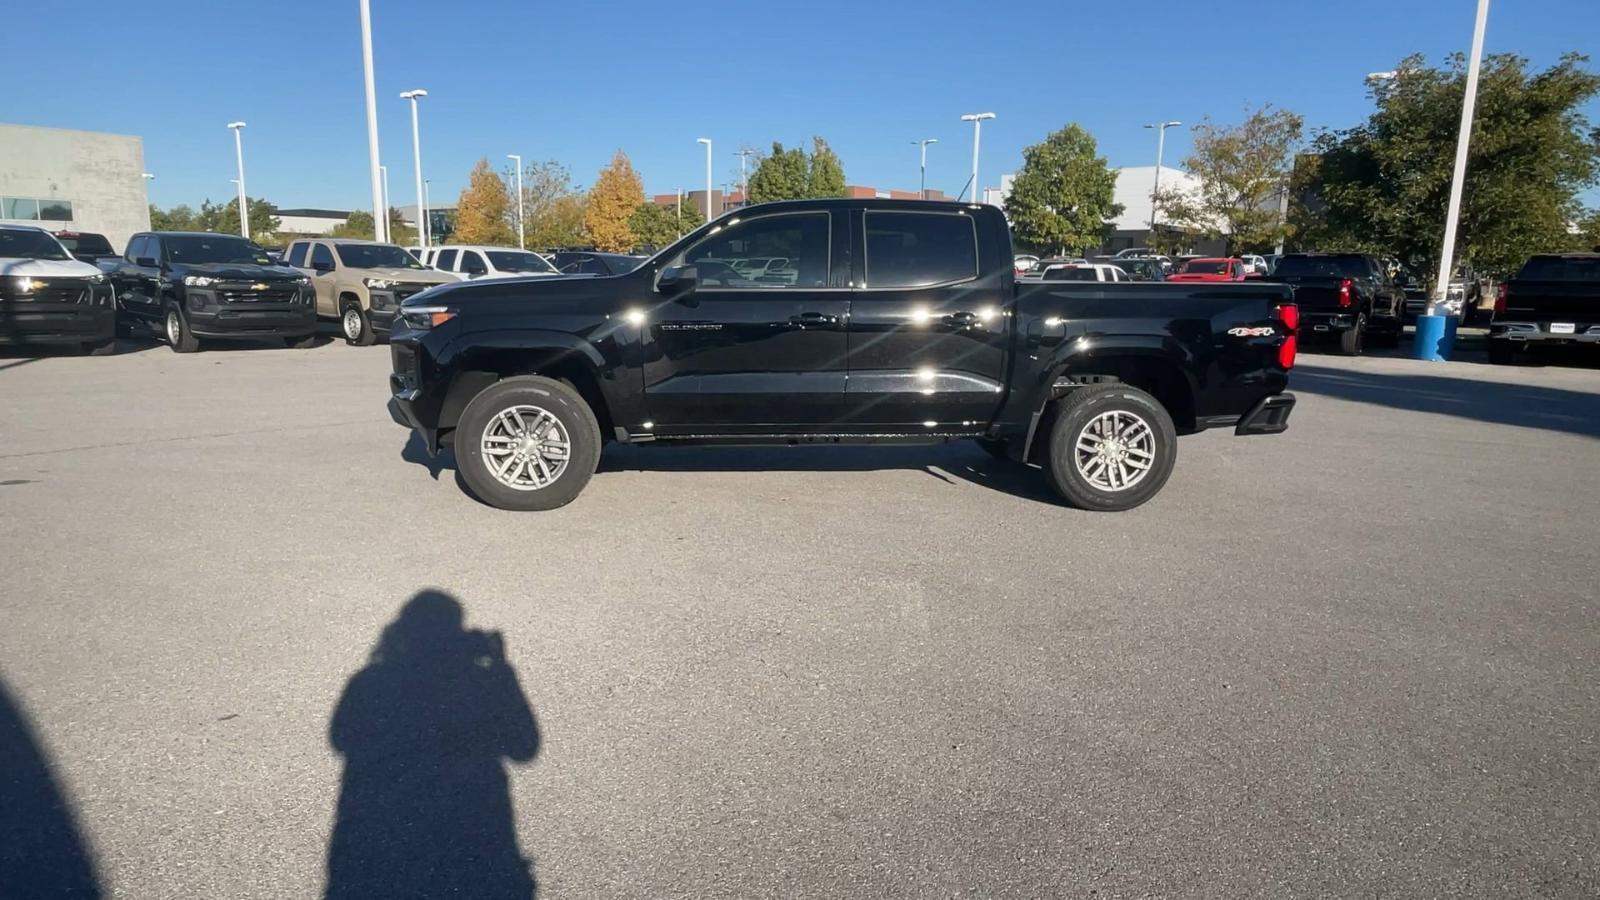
(1500, 299)
(1289, 315)
(1344, 291)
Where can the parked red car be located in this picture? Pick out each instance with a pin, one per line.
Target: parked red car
(1210, 270)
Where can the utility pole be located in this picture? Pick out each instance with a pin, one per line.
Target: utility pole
(380, 222)
(922, 191)
(744, 154)
(424, 232)
(522, 243)
(680, 212)
(707, 142)
(384, 171)
(1441, 284)
(1155, 185)
(977, 120)
(244, 204)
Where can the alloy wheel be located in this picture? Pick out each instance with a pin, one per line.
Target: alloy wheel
(525, 447)
(1115, 450)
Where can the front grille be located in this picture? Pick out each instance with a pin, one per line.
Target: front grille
(53, 290)
(247, 294)
(403, 291)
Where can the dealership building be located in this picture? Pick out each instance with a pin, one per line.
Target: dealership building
(65, 180)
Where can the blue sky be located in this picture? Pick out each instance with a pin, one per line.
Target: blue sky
(575, 81)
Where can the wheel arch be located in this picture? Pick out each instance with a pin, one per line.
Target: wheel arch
(574, 361)
(1158, 373)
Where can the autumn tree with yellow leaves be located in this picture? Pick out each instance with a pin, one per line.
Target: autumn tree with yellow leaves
(613, 200)
(483, 214)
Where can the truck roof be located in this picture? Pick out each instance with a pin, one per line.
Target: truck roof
(855, 202)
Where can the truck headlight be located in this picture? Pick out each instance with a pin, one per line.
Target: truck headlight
(199, 280)
(423, 318)
(379, 284)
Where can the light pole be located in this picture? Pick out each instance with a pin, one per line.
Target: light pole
(380, 223)
(744, 154)
(707, 142)
(384, 171)
(147, 179)
(427, 206)
(521, 241)
(238, 153)
(680, 212)
(1155, 186)
(977, 127)
(423, 230)
(922, 192)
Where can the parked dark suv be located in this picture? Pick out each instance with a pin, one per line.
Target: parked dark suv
(186, 286)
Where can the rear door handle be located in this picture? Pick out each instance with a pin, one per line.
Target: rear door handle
(813, 318)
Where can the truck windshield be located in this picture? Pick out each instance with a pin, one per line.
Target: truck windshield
(213, 248)
(1561, 268)
(95, 244)
(518, 261)
(376, 256)
(25, 243)
(1321, 267)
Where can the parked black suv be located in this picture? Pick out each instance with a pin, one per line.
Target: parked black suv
(186, 286)
(889, 321)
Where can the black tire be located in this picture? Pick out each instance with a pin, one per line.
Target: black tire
(1502, 353)
(565, 405)
(300, 341)
(177, 333)
(995, 448)
(1352, 338)
(1084, 408)
(356, 326)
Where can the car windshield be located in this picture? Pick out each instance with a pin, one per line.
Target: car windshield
(1320, 266)
(95, 244)
(1206, 267)
(376, 256)
(213, 248)
(1561, 268)
(518, 261)
(25, 243)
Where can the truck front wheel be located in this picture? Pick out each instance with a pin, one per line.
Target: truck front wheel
(1112, 448)
(527, 443)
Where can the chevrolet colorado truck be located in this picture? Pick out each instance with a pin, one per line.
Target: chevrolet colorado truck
(361, 283)
(903, 322)
(47, 297)
(1553, 300)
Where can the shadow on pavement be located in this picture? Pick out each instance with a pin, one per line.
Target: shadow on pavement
(425, 729)
(1527, 406)
(42, 853)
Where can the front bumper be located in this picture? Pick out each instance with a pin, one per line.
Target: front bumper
(20, 325)
(231, 321)
(1540, 333)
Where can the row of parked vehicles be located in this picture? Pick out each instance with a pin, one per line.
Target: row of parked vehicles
(71, 288)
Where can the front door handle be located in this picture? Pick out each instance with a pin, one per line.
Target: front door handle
(962, 319)
(813, 319)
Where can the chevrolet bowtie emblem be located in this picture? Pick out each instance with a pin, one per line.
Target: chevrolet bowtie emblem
(258, 286)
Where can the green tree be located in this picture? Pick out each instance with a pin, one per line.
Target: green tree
(1385, 184)
(657, 226)
(1062, 198)
(552, 207)
(1587, 237)
(357, 226)
(224, 218)
(178, 218)
(825, 172)
(483, 212)
(781, 175)
(1241, 173)
(613, 200)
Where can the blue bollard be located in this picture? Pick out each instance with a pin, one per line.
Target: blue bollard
(1436, 338)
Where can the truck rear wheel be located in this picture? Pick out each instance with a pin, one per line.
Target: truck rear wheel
(1351, 339)
(1112, 448)
(527, 443)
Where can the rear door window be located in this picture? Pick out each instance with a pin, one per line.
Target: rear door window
(917, 249)
(297, 254)
(446, 260)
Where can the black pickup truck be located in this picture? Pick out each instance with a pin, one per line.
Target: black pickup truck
(1554, 300)
(892, 321)
(185, 286)
(1346, 295)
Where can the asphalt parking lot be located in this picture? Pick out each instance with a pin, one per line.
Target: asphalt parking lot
(1359, 658)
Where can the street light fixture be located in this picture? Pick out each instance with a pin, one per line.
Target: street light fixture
(238, 152)
(977, 120)
(521, 240)
(707, 142)
(922, 192)
(1155, 186)
(380, 223)
(424, 232)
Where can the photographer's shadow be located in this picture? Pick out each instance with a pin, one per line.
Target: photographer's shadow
(425, 729)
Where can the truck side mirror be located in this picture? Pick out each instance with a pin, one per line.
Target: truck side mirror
(677, 279)
(322, 266)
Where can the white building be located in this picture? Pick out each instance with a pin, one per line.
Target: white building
(1135, 185)
(61, 179)
(311, 221)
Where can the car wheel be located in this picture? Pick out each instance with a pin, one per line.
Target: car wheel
(1112, 448)
(357, 327)
(527, 443)
(179, 337)
(1352, 339)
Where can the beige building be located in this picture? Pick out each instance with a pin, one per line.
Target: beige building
(73, 180)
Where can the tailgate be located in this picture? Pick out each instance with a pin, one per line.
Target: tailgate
(1314, 293)
(1546, 301)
